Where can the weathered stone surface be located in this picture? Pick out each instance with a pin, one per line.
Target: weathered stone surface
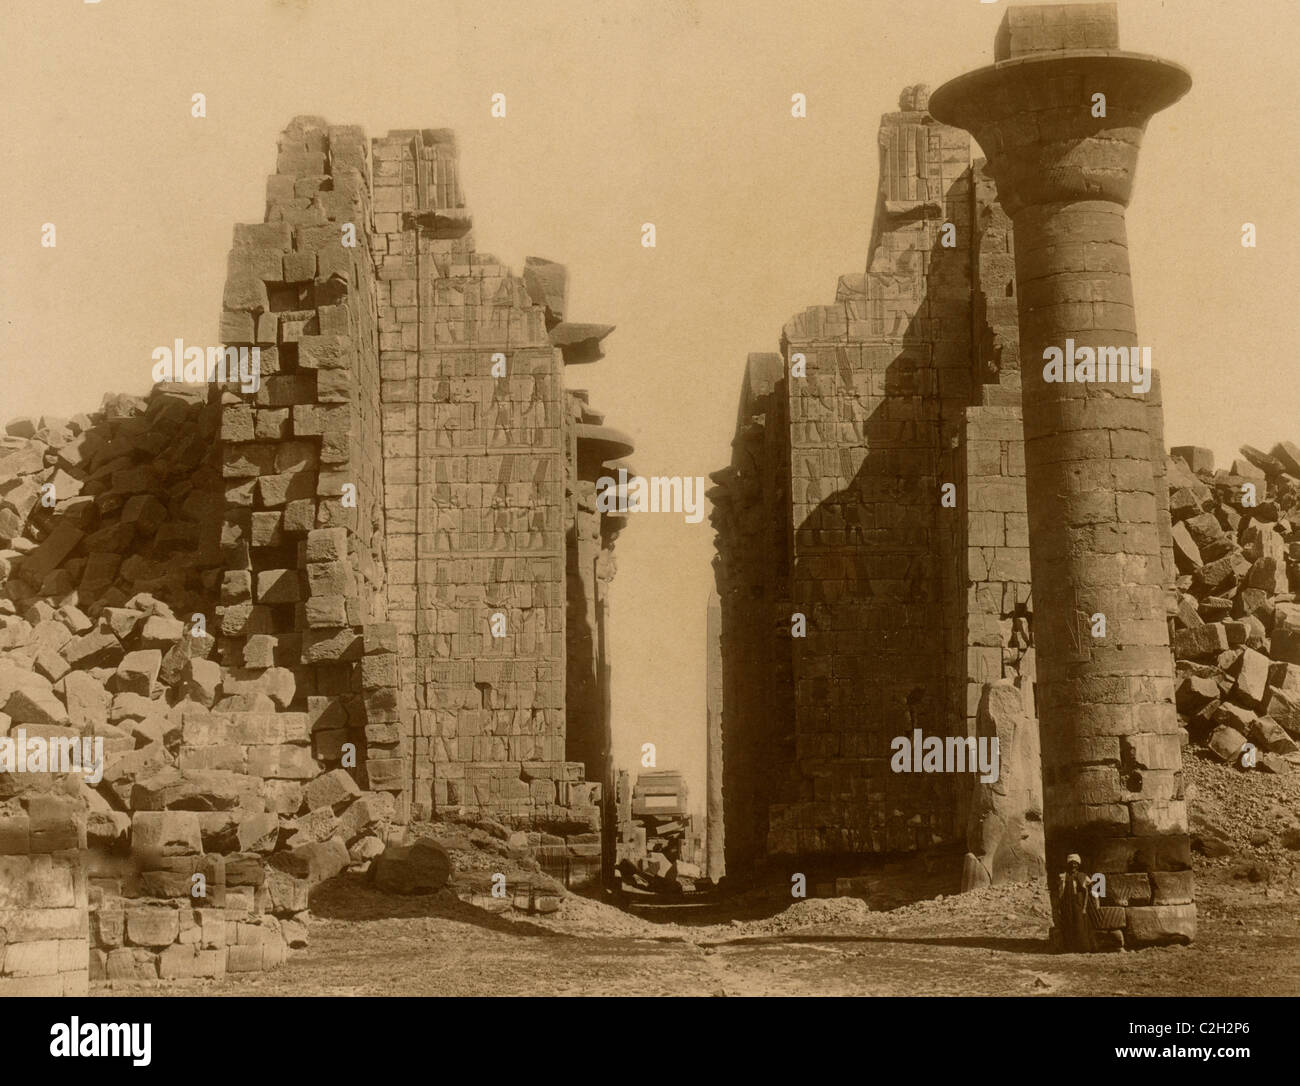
(158, 834)
(1226, 743)
(332, 789)
(321, 860)
(1203, 643)
(138, 672)
(152, 926)
(418, 868)
(1005, 834)
(32, 700)
(212, 790)
(366, 815)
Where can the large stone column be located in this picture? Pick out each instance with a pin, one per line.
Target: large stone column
(1113, 790)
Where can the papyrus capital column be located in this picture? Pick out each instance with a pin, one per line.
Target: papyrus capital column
(1061, 126)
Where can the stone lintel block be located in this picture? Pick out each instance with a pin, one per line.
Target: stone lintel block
(1123, 888)
(1172, 888)
(1160, 925)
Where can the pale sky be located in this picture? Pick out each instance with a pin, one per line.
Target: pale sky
(619, 112)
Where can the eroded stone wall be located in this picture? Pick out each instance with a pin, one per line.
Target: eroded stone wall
(269, 601)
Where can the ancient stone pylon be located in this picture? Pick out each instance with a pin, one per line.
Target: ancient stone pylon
(1060, 116)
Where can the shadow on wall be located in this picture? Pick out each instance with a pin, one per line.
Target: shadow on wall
(869, 574)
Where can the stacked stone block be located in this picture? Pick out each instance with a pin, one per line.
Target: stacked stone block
(43, 894)
(206, 592)
(993, 605)
(752, 568)
(304, 533)
(475, 502)
(888, 375)
(921, 616)
(150, 919)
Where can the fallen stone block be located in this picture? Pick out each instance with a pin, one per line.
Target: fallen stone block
(87, 700)
(1226, 743)
(137, 673)
(317, 825)
(258, 832)
(288, 893)
(294, 933)
(33, 701)
(1284, 708)
(321, 860)
(422, 867)
(1268, 735)
(1203, 643)
(332, 790)
(202, 681)
(98, 648)
(1251, 673)
(212, 790)
(366, 815)
(47, 557)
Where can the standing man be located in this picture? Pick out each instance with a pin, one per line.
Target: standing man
(1074, 893)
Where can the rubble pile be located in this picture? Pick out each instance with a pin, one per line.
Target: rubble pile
(1236, 623)
(656, 848)
(110, 550)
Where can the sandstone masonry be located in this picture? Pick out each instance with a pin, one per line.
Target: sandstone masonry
(276, 608)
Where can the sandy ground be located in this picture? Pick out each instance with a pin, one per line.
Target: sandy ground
(991, 942)
(987, 943)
